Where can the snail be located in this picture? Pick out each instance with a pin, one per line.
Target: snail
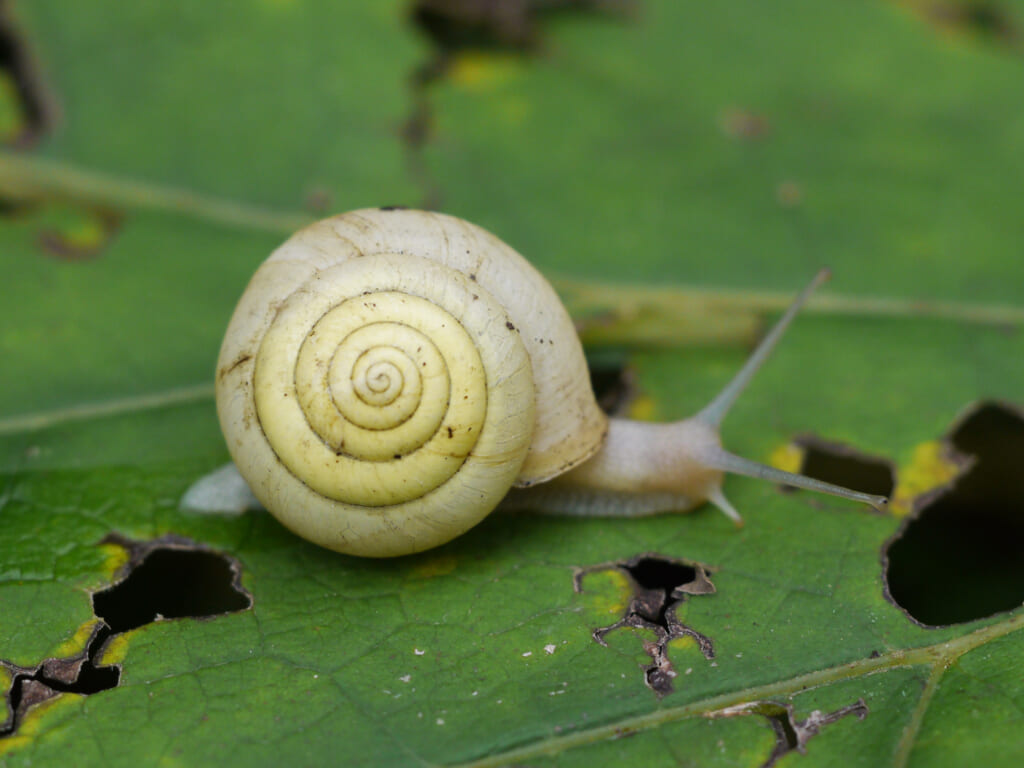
(389, 375)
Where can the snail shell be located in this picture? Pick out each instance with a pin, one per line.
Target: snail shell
(388, 375)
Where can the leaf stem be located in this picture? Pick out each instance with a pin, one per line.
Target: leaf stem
(25, 177)
(906, 744)
(680, 315)
(32, 422)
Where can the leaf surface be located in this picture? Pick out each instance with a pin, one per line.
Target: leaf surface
(676, 143)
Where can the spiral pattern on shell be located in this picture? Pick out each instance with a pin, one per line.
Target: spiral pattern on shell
(378, 397)
(389, 384)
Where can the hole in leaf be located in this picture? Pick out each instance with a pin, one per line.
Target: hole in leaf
(958, 558)
(985, 20)
(458, 26)
(10, 206)
(660, 586)
(842, 465)
(77, 232)
(657, 579)
(510, 24)
(63, 229)
(782, 723)
(167, 578)
(614, 384)
(791, 734)
(26, 112)
(171, 583)
(80, 674)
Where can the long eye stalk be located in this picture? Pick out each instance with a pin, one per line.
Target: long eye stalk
(715, 411)
(712, 416)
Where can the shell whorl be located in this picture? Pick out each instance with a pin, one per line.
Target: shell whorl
(378, 398)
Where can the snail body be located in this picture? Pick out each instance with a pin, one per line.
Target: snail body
(388, 375)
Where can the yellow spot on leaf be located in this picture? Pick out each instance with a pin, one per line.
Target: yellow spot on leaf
(788, 457)
(12, 122)
(84, 233)
(435, 566)
(115, 650)
(476, 70)
(75, 644)
(71, 231)
(31, 725)
(115, 557)
(931, 466)
(642, 408)
(607, 594)
(683, 644)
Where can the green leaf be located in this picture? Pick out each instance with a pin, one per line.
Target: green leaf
(680, 143)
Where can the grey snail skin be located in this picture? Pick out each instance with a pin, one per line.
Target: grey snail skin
(389, 375)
